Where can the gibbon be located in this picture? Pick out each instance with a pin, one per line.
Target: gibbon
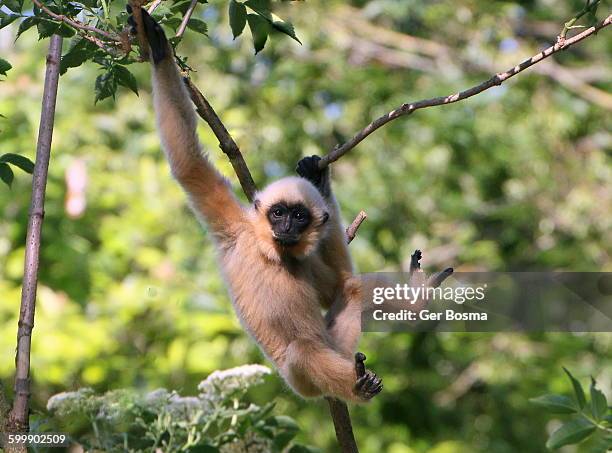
(283, 258)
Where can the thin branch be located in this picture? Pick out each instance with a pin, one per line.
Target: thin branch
(18, 418)
(153, 6)
(496, 80)
(588, 7)
(351, 231)
(73, 23)
(186, 18)
(226, 142)
(140, 35)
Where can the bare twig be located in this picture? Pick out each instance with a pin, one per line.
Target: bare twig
(351, 231)
(18, 418)
(226, 142)
(497, 79)
(186, 18)
(74, 23)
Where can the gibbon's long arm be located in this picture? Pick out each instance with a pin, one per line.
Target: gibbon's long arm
(334, 251)
(209, 192)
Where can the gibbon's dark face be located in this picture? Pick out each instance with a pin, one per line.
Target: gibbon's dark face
(288, 222)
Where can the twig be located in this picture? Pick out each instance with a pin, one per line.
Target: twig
(351, 231)
(18, 418)
(570, 24)
(496, 80)
(186, 18)
(73, 23)
(153, 6)
(226, 142)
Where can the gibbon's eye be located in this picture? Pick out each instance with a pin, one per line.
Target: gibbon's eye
(299, 215)
(277, 213)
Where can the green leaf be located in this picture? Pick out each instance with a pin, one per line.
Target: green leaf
(571, 432)
(106, 86)
(284, 422)
(556, 404)
(198, 26)
(13, 5)
(260, 29)
(4, 66)
(19, 161)
(261, 7)
(580, 398)
(27, 23)
(79, 52)
(6, 19)
(237, 17)
(284, 27)
(599, 405)
(6, 174)
(126, 78)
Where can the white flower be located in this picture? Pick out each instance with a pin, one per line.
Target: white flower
(225, 382)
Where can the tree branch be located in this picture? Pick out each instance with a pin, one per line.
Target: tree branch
(496, 80)
(74, 23)
(186, 18)
(226, 142)
(342, 425)
(18, 418)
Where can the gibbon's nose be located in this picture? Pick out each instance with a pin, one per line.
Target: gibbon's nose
(287, 224)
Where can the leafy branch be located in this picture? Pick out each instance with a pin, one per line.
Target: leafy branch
(587, 418)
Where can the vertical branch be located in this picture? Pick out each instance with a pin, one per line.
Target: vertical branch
(18, 418)
(342, 424)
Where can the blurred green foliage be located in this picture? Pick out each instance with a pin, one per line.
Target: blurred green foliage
(517, 178)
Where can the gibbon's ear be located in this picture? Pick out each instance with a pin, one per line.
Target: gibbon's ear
(256, 204)
(324, 219)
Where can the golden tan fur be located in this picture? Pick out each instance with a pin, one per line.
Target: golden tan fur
(277, 291)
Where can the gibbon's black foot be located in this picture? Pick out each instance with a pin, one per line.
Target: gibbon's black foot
(155, 34)
(308, 168)
(415, 261)
(359, 365)
(369, 385)
(437, 279)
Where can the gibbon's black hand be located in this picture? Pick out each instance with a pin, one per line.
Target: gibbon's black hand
(368, 384)
(155, 34)
(308, 168)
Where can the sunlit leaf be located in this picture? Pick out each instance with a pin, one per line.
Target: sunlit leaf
(571, 432)
(599, 405)
(557, 404)
(580, 398)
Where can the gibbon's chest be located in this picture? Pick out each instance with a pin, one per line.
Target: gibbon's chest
(264, 291)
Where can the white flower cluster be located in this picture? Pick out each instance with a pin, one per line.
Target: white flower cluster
(220, 384)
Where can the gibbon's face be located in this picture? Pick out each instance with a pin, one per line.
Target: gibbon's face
(290, 218)
(288, 222)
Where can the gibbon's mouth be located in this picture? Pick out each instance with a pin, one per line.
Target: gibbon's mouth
(286, 240)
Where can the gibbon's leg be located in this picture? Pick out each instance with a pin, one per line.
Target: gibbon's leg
(314, 369)
(209, 192)
(343, 319)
